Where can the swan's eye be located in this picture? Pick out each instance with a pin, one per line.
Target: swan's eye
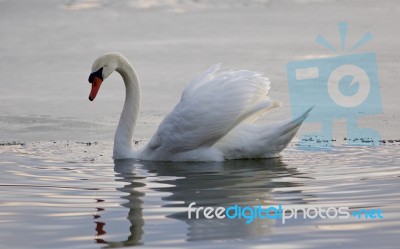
(98, 73)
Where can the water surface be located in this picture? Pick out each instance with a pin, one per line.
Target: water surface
(75, 196)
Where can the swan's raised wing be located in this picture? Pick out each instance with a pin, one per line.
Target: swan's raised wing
(211, 105)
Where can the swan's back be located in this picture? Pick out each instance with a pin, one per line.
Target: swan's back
(211, 106)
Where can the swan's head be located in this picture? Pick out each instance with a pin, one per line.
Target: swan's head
(102, 68)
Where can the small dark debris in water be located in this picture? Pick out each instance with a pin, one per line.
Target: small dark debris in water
(317, 140)
(85, 151)
(367, 140)
(87, 143)
(101, 155)
(308, 139)
(360, 140)
(11, 143)
(54, 142)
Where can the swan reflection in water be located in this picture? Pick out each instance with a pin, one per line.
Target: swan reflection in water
(242, 182)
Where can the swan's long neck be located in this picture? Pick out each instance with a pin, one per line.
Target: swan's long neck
(123, 137)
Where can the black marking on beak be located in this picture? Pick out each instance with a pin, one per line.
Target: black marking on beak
(98, 73)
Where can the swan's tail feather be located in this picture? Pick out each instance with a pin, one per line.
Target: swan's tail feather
(296, 122)
(260, 141)
(284, 133)
(303, 116)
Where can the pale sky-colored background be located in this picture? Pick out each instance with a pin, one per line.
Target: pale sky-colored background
(47, 48)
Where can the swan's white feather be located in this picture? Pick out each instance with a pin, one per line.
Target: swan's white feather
(249, 140)
(213, 121)
(211, 106)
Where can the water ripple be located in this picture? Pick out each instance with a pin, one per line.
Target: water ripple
(66, 201)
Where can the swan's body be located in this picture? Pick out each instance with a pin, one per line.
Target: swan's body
(213, 121)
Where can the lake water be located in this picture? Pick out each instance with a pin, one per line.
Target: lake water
(58, 191)
(65, 194)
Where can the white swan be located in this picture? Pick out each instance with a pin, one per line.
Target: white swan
(213, 121)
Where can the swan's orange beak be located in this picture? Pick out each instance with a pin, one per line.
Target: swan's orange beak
(95, 87)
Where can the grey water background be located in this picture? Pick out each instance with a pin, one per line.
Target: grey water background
(58, 192)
